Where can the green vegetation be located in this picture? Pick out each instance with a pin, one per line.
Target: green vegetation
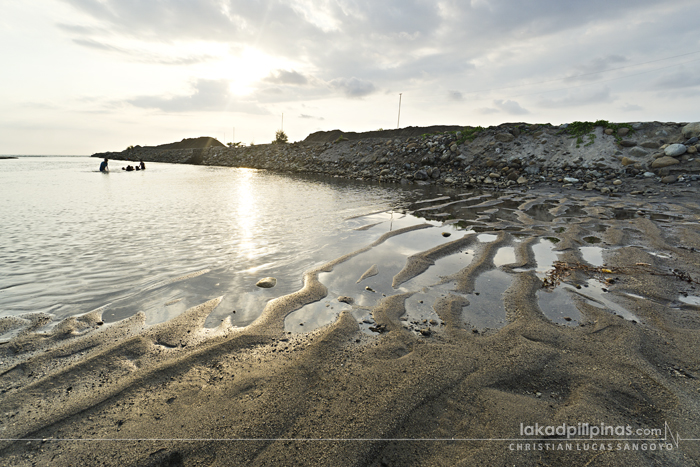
(235, 145)
(580, 129)
(340, 138)
(467, 133)
(280, 137)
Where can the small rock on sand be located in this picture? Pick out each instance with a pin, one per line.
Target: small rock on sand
(267, 282)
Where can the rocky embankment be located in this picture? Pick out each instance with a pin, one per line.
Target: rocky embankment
(602, 156)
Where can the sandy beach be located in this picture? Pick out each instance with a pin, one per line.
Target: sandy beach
(594, 361)
(178, 394)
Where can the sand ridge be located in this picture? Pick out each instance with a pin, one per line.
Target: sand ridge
(87, 393)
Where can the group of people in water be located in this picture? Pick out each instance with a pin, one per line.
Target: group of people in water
(104, 166)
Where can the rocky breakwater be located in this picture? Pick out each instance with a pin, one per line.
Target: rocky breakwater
(603, 156)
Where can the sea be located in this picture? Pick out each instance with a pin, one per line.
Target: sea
(74, 240)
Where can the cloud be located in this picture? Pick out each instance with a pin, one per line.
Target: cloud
(310, 117)
(508, 106)
(287, 77)
(631, 107)
(592, 69)
(679, 79)
(455, 96)
(353, 87)
(208, 95)
(578, 98)
(487, 110)
(141, 56)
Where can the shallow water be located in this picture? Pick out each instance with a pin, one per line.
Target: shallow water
(168, 238)
(175, 236)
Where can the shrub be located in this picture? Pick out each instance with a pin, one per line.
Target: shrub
(280, 137)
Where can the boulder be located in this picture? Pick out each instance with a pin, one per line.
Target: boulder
(637, 152)
(504, 137)
(626, 143)
(623, 131)
(420, 175)
(691, 130)
(669, 179)
(664, 162)
(675, 150)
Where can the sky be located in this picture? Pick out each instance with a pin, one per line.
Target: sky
(86, 76)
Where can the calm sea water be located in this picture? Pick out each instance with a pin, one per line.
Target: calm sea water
(162, 240)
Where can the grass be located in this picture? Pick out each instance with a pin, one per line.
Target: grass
(580, 129)
(468, 133)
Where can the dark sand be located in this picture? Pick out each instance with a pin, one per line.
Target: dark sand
(177, 394)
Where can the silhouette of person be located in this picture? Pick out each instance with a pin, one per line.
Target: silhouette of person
(103, 166)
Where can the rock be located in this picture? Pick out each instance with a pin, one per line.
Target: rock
(638, 152)
(623, 131)
(669, 179)
(589, 185)
(625, 143)
(267, 283)
(385, 172)
(650, 145)
(570, 180)
(675, 150)
(691, 130)
(494, 175)
(617, 182)
(664, 162)
(627, 161)
(420, 175)
(532, 169)
(504, 137)
(608, 131)
(522, 180)
(446, 234)
(344, 299)
(692, 149)
(605, 190)
(649, 174)
(435, 174)
(692, 140)
(449, 180)
(425, 332)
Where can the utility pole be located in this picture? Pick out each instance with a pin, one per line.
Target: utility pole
(282, 127)
(233, 137)
(399, 119)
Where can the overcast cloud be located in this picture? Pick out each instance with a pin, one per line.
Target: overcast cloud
(160, 68)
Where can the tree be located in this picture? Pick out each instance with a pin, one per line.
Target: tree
(280, 137)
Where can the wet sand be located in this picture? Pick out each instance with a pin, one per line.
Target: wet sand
(450, 393)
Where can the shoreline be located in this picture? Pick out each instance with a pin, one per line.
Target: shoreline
(610, 158)
(179, 394)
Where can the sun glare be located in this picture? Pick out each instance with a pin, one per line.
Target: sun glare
(245, 69)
